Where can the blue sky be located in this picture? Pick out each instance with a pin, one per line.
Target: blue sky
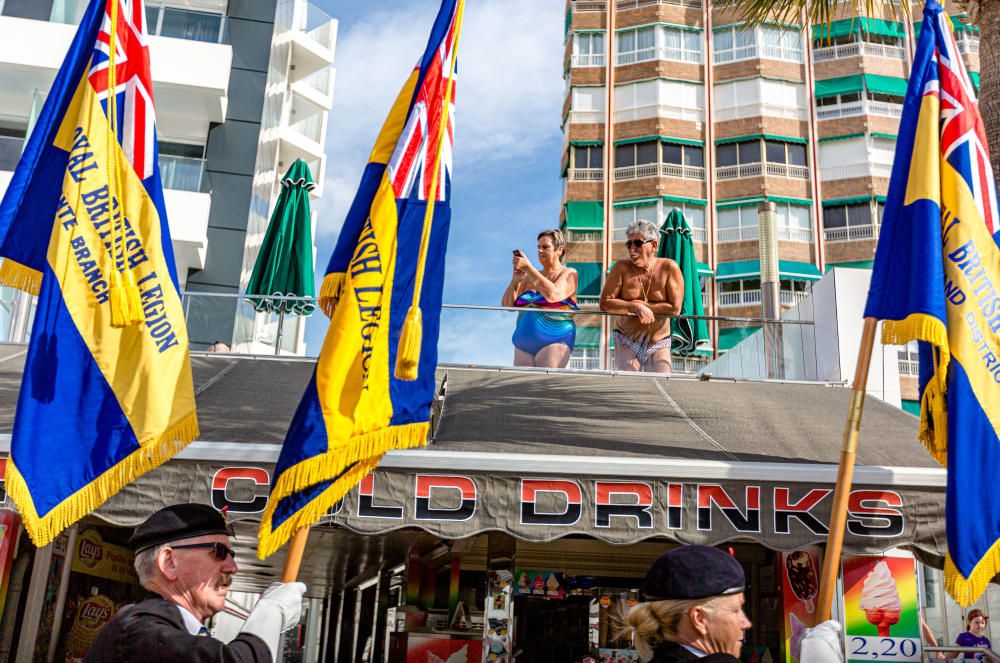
(506, 185)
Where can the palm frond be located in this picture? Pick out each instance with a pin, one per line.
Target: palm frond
(815, 12)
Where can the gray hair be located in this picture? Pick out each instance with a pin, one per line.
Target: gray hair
(145, 563)
(643, 229)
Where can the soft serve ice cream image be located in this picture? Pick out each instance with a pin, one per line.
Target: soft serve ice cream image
(880, 599)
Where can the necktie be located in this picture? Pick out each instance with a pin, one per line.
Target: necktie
(203, 632)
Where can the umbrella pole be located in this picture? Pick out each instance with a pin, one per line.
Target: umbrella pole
(294, 560)
(842, 491)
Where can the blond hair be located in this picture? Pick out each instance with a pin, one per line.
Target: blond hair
(651, 623)
(558, 241)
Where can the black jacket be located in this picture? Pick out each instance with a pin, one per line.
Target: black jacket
(671, 652)
(153, 632)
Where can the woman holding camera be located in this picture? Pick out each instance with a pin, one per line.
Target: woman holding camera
(543, 339)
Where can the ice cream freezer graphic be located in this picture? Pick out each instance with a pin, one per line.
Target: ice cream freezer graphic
(881, 612)
(800, 572)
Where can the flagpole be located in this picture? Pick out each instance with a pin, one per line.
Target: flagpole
(842, 491)
(294, 560)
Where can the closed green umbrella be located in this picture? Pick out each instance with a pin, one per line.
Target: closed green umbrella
(284, 265)
(689, 336)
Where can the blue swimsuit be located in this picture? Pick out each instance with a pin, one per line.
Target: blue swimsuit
(536, 330)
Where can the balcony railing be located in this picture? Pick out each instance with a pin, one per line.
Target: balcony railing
(664, 53)
(864, 107)
(853, 170)
(316, 24)
(669, 111)
(758, 169)
(967, 47)
(586, 117)
(580, 236)
(909, 367)
(751, 297)
(10, 151)
(586, 174)
(181, 173)
(850, 233)
(758, 51)
(587, 60)
(760, 110)
(659, 170)
(744, 233)
(859, 48)
(621, 5)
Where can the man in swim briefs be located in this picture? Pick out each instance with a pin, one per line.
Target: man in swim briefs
(643, 290)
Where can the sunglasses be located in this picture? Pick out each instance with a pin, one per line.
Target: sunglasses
(220, 550)
(636, 243)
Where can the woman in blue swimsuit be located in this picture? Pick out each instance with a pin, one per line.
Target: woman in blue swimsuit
(543, 339)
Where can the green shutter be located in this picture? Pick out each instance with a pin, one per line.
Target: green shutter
(854, 200)
(569, 19)
(637, 139)
(786, 139)
(584, 215)
(885, 136)
(885, 84)
(698, 202)
(732, 335)
(872, 26)
(913, 407)
(854, 264)
(750, 269)
(753, 201)
(829, 139)
(589, 278)
(974, 75)
(586, 143)
(682, 141)
(962, 25)
(829, 87)
(798, 271)
(705, 270)
(634, 202)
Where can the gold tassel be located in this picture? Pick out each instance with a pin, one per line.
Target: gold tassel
(126, 304)
(329, 292)
(17, 276)
(408, 353)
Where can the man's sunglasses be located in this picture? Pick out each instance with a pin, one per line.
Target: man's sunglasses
(220, 550)
(637, 243)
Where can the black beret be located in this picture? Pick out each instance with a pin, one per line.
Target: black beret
(180, 521)
(693, 572)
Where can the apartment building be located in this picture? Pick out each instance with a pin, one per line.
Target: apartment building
(712, 118)
(242, 89)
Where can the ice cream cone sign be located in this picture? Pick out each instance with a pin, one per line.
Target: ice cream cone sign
(880, 599)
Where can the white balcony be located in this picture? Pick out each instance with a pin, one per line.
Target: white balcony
(187, 215)
(855, 49)
(317, 88)
(668, 111)
(586, 117)
(845, 172)
(760, 110)
(587, 60)
(586, 174)
(664, 53)
(968, 46)
(659, 170)
(758, 51)
(313, 35)
(621, 5)
(752, 297)
(863, 107)
(584, 236)
(190, 78)
(850, 233)
(909, 368)
(744, 233)
(758, 169)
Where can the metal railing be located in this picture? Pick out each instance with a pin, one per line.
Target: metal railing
(653, 53)
(621, 5)
(766, 168)
(867, 169)
(909, 367)
(762, 109)
(758, 51)
(857, 48)
(849, 233)
(968, 46)
(181, 173)
(753, 297)
(931, 652)
(583, 236)
(863, 107)
(659, 170)
(587, 60)
(743, 233)
(586, 174)
(668, 111)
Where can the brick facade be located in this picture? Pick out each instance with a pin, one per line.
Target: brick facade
(758, 186)
(786, 71)
(762, 125)
(641, 71)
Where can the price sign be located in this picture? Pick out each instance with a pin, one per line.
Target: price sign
(868, 648)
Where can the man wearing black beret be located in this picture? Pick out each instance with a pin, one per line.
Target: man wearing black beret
(182, 556)
(693, 607)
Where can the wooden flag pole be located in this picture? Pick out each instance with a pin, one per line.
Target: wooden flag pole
(838, 517)
(294, 560)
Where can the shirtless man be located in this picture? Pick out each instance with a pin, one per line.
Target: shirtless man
(643, 290)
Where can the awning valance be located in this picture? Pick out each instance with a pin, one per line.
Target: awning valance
(586, 143)
(886, 84)
(853, 264)
(853, 200)
(698, 202)
(739, 139)
(829, 87)
(584, 215)
(750, 269)
(872, 26)
(974, 75)
(705, 270)
(635, 202)
(756, 200)
(588, 278)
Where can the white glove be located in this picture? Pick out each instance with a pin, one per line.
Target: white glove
(279, 609)
(822, 644)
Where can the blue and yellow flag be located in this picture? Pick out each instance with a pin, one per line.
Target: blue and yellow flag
(374, 380)
(936, 275)
(107, 393)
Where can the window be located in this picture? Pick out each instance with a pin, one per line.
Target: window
(626, 215)
(637, 45)
(693, 214)
(588, 43)
(637, 154)
(736, 224)
(737, 154)
(770, 42)
(737, 293)
(792, 154)
(181, 165)
(845, 222)
(661, 99)
(683, 155)
(910, 352)
(590, 156)
(793, 223)
(681, 45)
(184, 23)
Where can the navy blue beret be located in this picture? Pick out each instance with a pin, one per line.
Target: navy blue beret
(180, 521)
(693, 572)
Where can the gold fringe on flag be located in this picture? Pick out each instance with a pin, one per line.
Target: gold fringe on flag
(329, 292)
(363, 451)
(152, 454)
(967, 591)
(17, 276)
